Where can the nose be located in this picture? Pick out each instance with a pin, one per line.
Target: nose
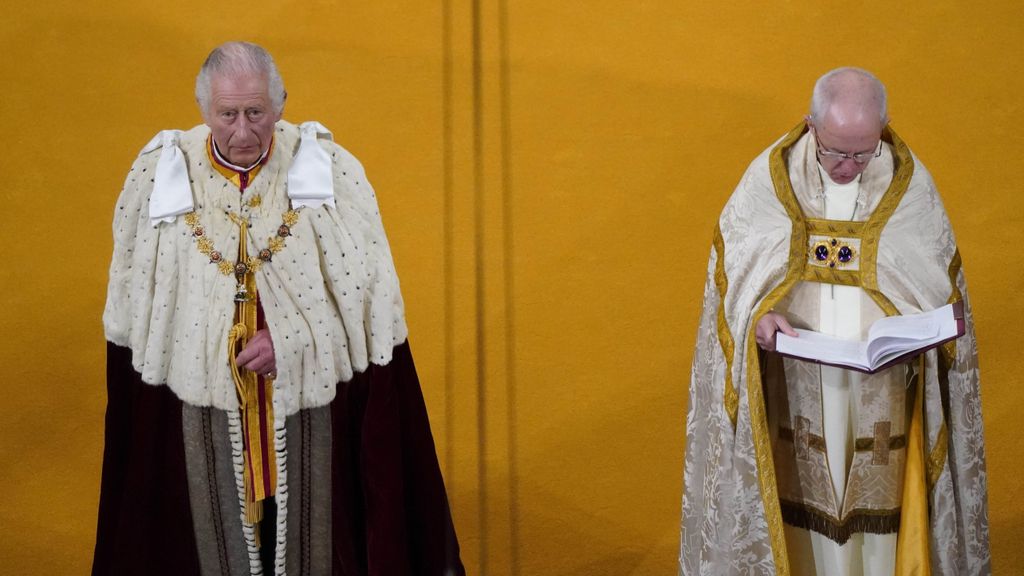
(243, 127)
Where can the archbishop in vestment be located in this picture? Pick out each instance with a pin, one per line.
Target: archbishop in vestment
(264, 414)
(799, 468)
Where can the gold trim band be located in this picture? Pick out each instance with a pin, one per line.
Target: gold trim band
(732, 400)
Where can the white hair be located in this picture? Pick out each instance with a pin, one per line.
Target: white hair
(237, 59)
(826, 89)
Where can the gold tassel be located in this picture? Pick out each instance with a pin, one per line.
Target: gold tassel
(246, 383)
(247, 388)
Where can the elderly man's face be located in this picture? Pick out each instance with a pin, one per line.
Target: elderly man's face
(241, 117)
(848, 132)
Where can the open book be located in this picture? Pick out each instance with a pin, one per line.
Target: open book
(891, 340)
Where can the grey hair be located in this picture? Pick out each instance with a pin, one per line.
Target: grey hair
(235, 59)
(825, 91)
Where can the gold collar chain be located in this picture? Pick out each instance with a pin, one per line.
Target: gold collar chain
(244, 265)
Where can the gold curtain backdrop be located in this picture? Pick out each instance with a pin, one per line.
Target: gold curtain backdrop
(549, 175)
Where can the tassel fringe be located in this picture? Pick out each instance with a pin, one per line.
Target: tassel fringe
(861, 521)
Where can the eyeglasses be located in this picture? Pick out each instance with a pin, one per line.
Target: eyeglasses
(858, 158)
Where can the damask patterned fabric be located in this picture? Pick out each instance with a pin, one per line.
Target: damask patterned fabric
(732, 520)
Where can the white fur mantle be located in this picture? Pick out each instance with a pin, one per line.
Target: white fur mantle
(331, 297)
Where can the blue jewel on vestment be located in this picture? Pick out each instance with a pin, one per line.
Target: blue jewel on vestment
(821, 252)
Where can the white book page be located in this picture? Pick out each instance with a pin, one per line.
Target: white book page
(905, 333)
(917, 326)
(811, 344)
(888, 338)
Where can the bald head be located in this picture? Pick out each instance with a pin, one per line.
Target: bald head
(849, 95)
(848, 114)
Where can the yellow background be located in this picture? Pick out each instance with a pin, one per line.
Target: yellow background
(549, 174)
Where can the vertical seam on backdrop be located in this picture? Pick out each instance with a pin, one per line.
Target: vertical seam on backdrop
(448, 248)
(508, 247)
(478, 260)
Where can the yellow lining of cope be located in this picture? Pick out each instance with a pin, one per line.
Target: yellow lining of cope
(872, 229)
(912, 548)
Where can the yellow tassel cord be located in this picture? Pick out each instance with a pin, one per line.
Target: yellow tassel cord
(247, 387)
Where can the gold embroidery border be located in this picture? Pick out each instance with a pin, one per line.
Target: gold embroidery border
(940, 451)
(844, 228)
(832, 276)
(949, 348)
(903, 171)
(755, 395)
(937, 456)
(732, 399)
(872, 229)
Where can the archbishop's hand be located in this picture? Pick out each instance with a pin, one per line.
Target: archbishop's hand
(258, 355)
(766, 328)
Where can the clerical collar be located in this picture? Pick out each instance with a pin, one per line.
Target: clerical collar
(238, 175)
